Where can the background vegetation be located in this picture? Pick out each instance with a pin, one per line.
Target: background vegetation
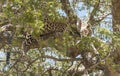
(69, 54)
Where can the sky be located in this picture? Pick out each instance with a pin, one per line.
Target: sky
(80, 13)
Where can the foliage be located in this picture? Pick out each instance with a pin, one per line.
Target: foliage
(50, 57)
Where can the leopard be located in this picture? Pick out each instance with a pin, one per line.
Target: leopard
(52, 28)
(28, 43)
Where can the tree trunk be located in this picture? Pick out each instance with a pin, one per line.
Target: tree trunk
(116, 24)
(116, 15)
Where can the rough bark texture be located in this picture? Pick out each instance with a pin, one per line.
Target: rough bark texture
(72, 17)
(116, 15)
(116, 28)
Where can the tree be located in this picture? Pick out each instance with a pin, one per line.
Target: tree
(51, 38)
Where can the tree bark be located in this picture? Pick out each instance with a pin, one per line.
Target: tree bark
(116, 28)
(116, 15)
(72, 17)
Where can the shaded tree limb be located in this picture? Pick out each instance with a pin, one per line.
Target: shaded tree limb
(72, 17)
(93, 13)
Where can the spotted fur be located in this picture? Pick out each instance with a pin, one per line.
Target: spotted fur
(52, 29)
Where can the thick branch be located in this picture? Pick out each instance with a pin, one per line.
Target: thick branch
(93, 13)
(58, 59)
(68, 10)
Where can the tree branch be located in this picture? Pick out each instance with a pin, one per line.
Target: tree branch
(93, 13)
(101, 18)
(60, 59)
(72, 17)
